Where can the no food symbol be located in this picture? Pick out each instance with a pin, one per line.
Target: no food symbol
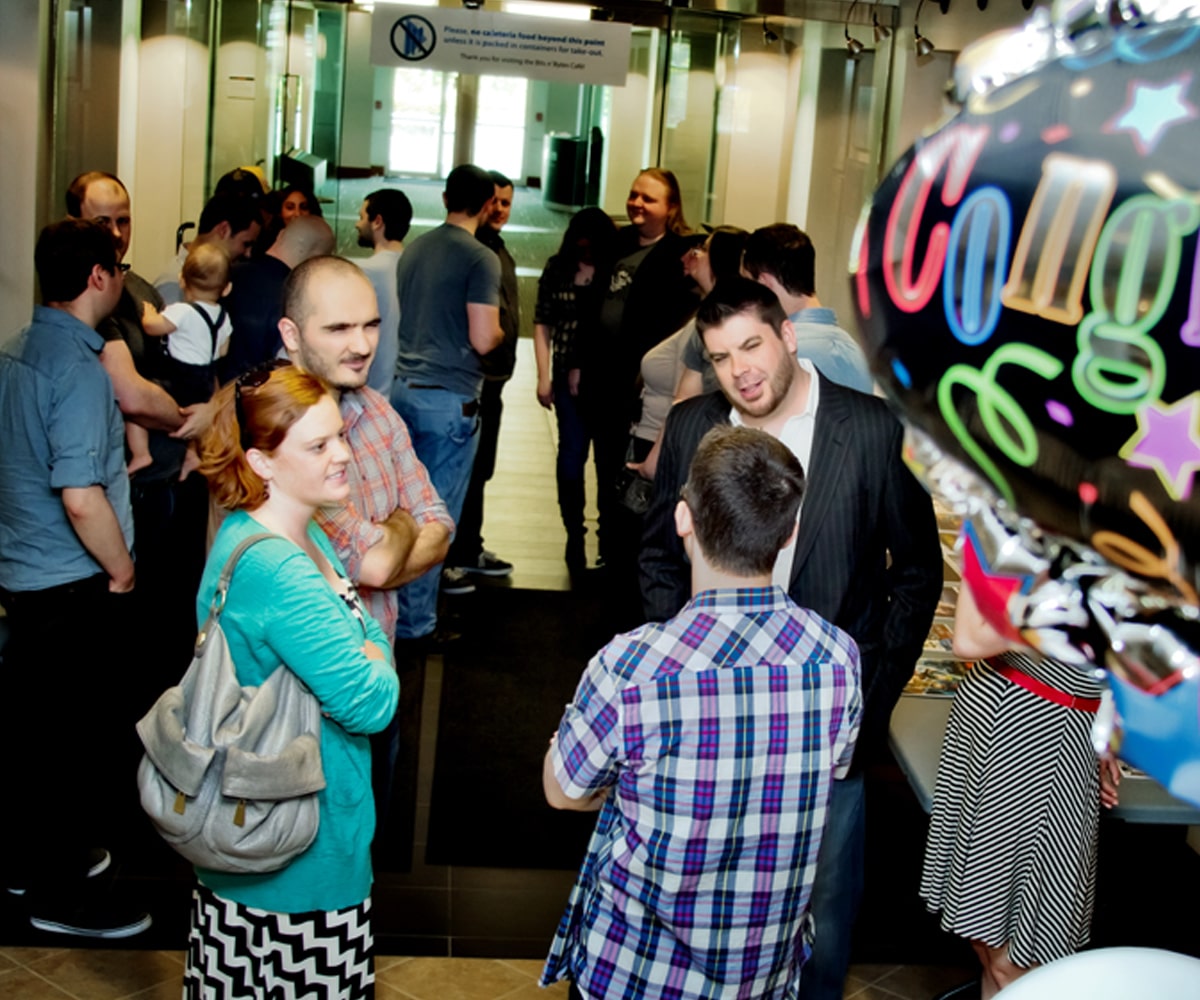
(413, 38)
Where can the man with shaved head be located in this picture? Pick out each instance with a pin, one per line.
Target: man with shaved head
(394, 527)
(255, 303)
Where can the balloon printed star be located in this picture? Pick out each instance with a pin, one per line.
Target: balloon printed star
(1168, 441)
(1152, 109)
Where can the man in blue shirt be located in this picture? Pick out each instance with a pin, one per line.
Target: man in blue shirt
(783, 258)
(66, 533)
(449, 288)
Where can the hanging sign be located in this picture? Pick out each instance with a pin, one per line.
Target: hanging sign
(476, 41)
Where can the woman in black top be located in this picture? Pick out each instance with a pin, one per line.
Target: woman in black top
(647, 299)
(567, 303)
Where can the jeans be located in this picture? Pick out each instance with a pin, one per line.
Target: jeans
(837, 891)
(444, 426)
(574, 438)
(468, 536)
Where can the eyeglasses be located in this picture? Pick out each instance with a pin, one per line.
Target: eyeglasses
(247, 381)
(124, 268)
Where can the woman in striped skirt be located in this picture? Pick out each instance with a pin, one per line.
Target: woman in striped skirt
(273, 455)
(1011, 858)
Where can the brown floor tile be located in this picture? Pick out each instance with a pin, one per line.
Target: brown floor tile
(21, 984)
(7, 964)
(389, 962)
(876, 993)
(870, 973)
(920, 982)
(532, 991)
(852, 985)
(453, 979)
(169, 989)
(26, 956)
(529, 966)
(107, 975)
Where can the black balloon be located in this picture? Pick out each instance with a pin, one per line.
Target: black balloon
(1028, 288)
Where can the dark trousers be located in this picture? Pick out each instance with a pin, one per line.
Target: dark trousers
(610, 438)
(170, 524)
(68, 749)
(468, 535)
(574, 439)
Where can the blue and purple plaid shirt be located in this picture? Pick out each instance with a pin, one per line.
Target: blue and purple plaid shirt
(719, 733)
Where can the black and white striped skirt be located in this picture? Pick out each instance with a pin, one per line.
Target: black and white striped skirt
(237, 952)
(1011, 855)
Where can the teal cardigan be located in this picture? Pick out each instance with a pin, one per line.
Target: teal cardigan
(280, 609)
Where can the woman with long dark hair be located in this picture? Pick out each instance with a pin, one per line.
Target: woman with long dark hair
(568, 296)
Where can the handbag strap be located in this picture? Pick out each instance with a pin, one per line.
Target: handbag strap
(219, 595)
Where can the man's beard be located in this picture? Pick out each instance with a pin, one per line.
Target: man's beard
(780, 381)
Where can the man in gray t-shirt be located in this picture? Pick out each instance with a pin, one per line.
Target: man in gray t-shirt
(449, 289)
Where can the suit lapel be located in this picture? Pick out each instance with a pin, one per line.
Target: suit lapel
(831, 437)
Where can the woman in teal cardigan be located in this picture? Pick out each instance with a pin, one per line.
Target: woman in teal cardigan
(273, 455)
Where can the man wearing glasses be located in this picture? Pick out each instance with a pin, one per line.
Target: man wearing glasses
(66, 529)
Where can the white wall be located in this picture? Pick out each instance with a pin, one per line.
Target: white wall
(23, 115)
(627, 147)
(172, 123)
(359, 94)
(756, 123)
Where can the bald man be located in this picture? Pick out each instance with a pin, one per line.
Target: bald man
(394, 527)
(254, 303)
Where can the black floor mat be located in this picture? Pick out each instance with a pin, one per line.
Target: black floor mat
(503, 691)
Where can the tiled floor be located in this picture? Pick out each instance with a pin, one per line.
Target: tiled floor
(59, 974)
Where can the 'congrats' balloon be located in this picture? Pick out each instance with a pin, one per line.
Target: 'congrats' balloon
(1027, 281)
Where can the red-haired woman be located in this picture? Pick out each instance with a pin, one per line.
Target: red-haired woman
(273, 454)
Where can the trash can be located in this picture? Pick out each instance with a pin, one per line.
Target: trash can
(564, 171)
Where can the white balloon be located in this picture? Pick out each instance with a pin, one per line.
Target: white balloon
(1112, 974)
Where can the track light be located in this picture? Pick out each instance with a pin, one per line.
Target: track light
(769, 37)
(881, 31)
(854, 48)
(922, 44)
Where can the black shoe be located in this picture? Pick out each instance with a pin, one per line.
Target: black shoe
(438, 641)
(456, 582)
(95, 861)
(488, 564)
(100, 916)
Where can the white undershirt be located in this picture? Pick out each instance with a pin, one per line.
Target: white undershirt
(797, 434)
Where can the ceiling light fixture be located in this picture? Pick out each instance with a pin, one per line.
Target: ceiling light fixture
(854, 48)
(922, 44)
(881, 31)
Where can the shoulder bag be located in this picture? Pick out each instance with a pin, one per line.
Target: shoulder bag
(231, 773)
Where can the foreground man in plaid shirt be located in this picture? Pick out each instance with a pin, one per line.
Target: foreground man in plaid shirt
(709, 744)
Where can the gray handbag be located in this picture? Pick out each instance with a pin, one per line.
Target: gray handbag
(231, 773)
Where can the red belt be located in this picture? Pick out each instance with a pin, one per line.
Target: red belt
(1034, 686)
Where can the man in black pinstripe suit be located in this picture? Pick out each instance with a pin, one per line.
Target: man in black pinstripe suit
(866, 556)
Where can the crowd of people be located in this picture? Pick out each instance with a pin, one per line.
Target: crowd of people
(753, 504)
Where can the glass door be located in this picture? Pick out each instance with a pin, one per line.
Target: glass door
(278, 85)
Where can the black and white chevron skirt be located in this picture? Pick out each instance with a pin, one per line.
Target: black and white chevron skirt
(237, 952)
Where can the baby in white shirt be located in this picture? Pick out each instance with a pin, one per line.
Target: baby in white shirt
(197, 333)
